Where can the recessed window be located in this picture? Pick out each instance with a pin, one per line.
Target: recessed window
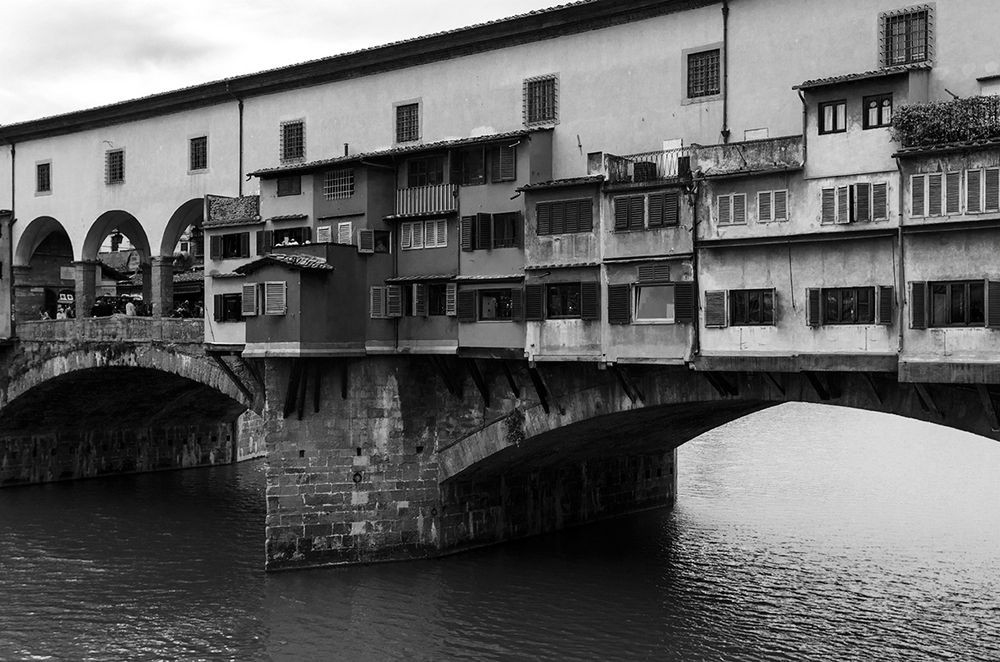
(227, 246)
(338, 184)
(751, 307)
(906, 36)
(731, 209)
(114, 166)
(289, 185)
(958, 303)
(228, 307)
(833, 117)
(43, 177)
(562, 300)
(423, 234)
(495, 305)
(469, 166)
(407, 122)
(564, 216)
(425, 171)
(541, 95)
(878, 111)
(848, 305)
(437, 298)
(198, 153)
(293, 140)
(703, 73)
(654, 303)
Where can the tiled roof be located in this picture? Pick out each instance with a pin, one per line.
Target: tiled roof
(489, 277)
(231, 221)
(560, 265)
(227, 275)
(947, 147)
(307, 262)
(407, 149)
(746, 172)
(559, 183)
(864, 75)
(414, 279)
(288, 217)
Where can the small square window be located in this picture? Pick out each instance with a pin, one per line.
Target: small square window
(114, 166)
(878, 111)
(43, 178)
(654, 303)
(338, 184)
(751, 307)
(407, 122)
(293, 140)
(289, 185)
(704, 74)
(541, 97)
(495, 305)
(198, 153)
(833, 117)
(906, 36)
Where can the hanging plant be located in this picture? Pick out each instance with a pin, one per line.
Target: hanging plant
(972, 119)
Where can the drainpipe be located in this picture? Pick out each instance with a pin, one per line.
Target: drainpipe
(239, 159)
(902, 273)
(805, 126)
(696, 336)
(10, 238)
(725, 71)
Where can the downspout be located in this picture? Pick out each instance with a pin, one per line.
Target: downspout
(725, 71)
(902, 262)
(805, 127)
(10, 238)
(696, 332)
(239, 156)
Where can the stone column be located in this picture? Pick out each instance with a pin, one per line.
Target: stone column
(24, 306)
(159, 274)
(86, 286)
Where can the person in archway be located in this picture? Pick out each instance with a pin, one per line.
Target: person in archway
(130, 308)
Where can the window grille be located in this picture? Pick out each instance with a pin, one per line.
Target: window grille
(703, 73)
(198, 153)
(114, 166)
(407, 122)
(43, 178)
(541, 99)
(338, 184)
(907, 35)
(293, 140)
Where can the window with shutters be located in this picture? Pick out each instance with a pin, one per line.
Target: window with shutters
(772, 206)
(469, 166)
(248, 306)
(506, 229)
(704, 73)
(906, 35)
(43, 177)
(293, 140)
(114, 166)
(877, 111)
(229, 246)
(407, 122)
(275, 298)
(927, 194)
(957, 303)
(338, 184)
(198, 154)
(503, 163)
(833, 117)
(437, 299)
(982, 190)
(751, 307)
(630, 213)
(564, 216)
(228, 307)
(541, 100)
(425, 171)
(291, 185)
(731, 209)
(496, 305)
(664, 209)
(345, 233)
(848, 305)
(291, 236)
(562, 300)
(414, 235)
(860, 202)
(654, 303)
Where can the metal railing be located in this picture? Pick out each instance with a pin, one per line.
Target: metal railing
(427, 199)
(116, 327)
(647, 166)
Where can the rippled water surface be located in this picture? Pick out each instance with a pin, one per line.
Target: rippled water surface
(800, 533)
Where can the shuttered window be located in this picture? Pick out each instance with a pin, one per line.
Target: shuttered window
(590, 301)
(843, 204)
(814, 307)
(751, 307)
(715, 309)
(467, 306)
(841, 305)
(376, 301)
(229, 246)
(450, 299)
(393, 301)
(275, 298)
(934, 194)
(423, 234)
(880, 201)
(953, 193)
(503, 163)
(653, 273)
(484, 234)
(731, 209)
(863, 202)
(781, 205)
(918, 305)
(829, 212)
(248, 305)
(886, 300)
(564, 216)
(918, 195)
(664, 209)
(684, 302)
(366, 241)
(991, 194)
(345, 232)
(534, 302)
(765, 205)
(619, 304)
(419, 299)
(630, 212)
(974, 191)
(265, 241)
(466, 231)
(324, 234)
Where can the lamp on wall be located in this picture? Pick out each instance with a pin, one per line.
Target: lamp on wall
(116, 240)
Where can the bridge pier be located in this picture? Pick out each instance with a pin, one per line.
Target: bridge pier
(86, 286)
(159, 274)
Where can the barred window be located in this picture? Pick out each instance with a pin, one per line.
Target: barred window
(291, 185)
(703, 74)
(293, 140)
(407, 122)
(114, 166)
(198, 153)
(541, 99)
(906, 36)
(338, 184)
(43, 178)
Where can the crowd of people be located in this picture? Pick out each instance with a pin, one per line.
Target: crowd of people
(130, 306)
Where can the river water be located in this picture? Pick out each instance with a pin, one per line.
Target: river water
(800, 533)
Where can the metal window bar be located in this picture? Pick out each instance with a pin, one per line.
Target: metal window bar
(292, 140)
(704, 77)
(541, 100)
(338, 184)
(407, 122)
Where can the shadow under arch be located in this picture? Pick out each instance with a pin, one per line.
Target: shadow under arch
(188, 214)
(105, 224)
(33, 235)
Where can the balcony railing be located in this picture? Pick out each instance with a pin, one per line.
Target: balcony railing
(973, 119)
(427, 199)
(117, 327)
(647, 166)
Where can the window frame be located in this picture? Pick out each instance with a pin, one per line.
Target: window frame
(111, 177)
(547, 300)
(887, 39)
(47, 165)
(500, 291)
(551, 205)
(538, 111)
(882, 122)
(731, 197)
(234, 300)
(407, 230)
(838, 293)
(751, 293)
(338, 184)
(195, 144)
(406, 129)
(437, 293)
(295, 189)
(951, 285)
(637, 297)
(415, 179)
(292, 149)
(821, 107)
(706, 92)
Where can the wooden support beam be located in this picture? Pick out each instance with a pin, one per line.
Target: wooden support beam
(254, 372)
(926, 401)
(234, 378)
(628, 385)
(775, 383)
(871, 385)
(453, 385)
(721, 384)
(514, 388)
(317, 383)
(477, 378)
(989, 406)
(294, 376)
(303, 386)
(540, 390)
(816, 384)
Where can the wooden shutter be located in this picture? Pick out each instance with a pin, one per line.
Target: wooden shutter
(467, 233)
(416, 234)
(248, 305)
(715, 308)
(405, 235)
(217, 306)
(450, 297)
(420, 300)
(886, 298)
(656, 204)
(918, 305)
(724, 206)
(843, 204)
(993, 303)
(244, 244)
(366, 241)
(739, 208)
(590, 300)
(441, 233)
(275, 298)
(503, 163)
(684, 302)
(215, 248)
(781, 205)
(934, 201)
(543, 218)
(863, 202)
(516, 304)
(653, 273)
(534, 302)
(345, 232)
(259, 238)
(268, 238)
(393, 301)
(559, 217)
(467, 306)
(484, 234)
(953, 193)
(377, 300)
(764, 206)
(992, 193)
(671, 207)
(636, 212)
(829, 214)
(621, 213)
(585, 215)
(973, 191)
(518, 229)
(918, 198)
(814, 306)
(880, 201)
(619, 304)
(324, 234)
